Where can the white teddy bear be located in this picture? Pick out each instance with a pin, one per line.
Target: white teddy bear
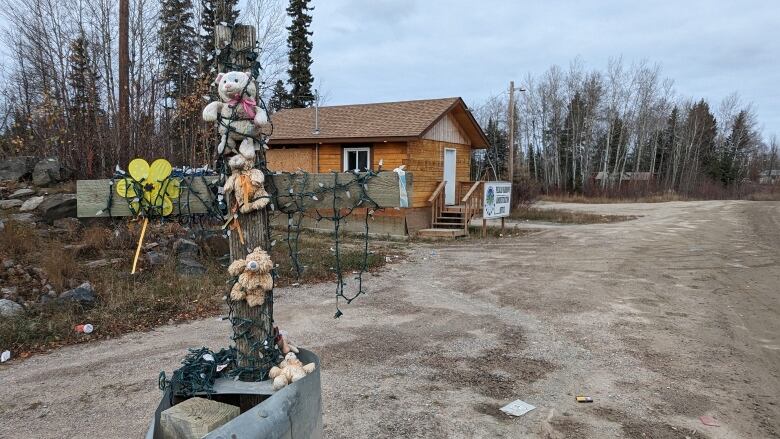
(238, 110)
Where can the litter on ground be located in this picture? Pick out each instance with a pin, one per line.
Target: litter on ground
(517, 408)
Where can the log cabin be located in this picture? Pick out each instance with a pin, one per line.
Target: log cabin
(434, 138)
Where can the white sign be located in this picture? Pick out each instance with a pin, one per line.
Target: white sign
(497, 199)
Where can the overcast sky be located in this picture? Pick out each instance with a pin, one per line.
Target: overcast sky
(384, 50)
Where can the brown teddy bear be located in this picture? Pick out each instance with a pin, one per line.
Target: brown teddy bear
(290, 370)
(254, 277)
(246, 183)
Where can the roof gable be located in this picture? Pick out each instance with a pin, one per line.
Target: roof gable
(386, 121)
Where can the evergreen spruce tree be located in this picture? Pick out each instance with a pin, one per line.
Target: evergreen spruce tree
(178, 42)
(213, 12)
(736, 153)
(299, 46)
(82, 79)
(279, 97)
(497, 154)
(85, 115)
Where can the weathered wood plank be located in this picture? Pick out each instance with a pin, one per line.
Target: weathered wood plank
(92, 198)
(92, 195)
(383, 189)
(195, 418)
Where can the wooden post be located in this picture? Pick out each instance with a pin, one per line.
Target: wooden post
(484, 227)
(255, 322)
(241, 38)
(511, 123)
(195, 418)
(502, 225)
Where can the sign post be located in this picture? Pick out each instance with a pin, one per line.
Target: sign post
(496, 203)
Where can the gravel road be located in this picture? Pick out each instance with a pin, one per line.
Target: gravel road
(661, 320)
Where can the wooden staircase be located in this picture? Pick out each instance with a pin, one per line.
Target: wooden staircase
(453, 221)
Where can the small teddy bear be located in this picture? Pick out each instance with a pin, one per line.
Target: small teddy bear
(246, 183)
(254, 277)
(239, 111)
(290, 370)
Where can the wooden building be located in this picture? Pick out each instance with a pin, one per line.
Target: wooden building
(434, 138)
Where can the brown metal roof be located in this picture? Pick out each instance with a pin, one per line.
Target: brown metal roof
(365, 122)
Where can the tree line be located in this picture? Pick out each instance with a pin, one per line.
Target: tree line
(580, 131)
(59, 91)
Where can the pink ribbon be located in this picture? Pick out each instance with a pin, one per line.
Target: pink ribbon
(246, 102)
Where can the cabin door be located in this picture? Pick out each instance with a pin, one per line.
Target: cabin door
(449, 176)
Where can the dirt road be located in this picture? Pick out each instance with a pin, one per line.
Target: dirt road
(661, 320)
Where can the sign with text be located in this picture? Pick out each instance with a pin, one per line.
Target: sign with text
(497, 199)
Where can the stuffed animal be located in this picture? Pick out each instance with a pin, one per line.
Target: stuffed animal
(254, 277)
(290, 370)
(239, 111)
(246, 183)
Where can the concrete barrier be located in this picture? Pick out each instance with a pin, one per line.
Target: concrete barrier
(294, 412)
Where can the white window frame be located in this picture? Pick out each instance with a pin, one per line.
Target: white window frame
(356, 150)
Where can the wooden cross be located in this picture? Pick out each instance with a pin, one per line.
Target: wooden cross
(308, 192)
(386, 189)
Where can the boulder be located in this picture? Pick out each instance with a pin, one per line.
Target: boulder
(9, 293)
(97, 263)
(69, 224)
(9, 308)
(214, 244)
(22, 193)
(10, 204)
(84, 294)
(155, 258)
(26, 217)
(190, 267)
(17, 168)
(47, 172)
(31, 204)
(2, 225)
(185, 247)
(58, 206)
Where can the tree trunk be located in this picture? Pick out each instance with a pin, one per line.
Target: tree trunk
(124, 80)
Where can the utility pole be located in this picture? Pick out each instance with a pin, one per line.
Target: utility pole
(124, 81)
(511, 123)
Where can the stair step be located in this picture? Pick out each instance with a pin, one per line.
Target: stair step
(441, 233)
(448, 225)
(449, 219)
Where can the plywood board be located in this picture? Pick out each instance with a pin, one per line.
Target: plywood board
(92, 195)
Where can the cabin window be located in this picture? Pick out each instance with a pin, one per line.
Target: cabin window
(357, 159)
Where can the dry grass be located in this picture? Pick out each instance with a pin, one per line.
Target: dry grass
(154, 296)
(124, 303)
(565, 216)
(18, 239)
(773, 195)
(60, 266)
(575, 198)
(317, 256)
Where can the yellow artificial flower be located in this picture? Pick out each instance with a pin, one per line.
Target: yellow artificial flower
(150, 188)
